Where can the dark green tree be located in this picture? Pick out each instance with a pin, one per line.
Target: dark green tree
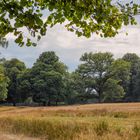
(3, 84)
(47, 76)
(134, 70)
(136, 92)
(24, 85)
(113, 91)
(96, 69)
(74, 89)
(13, 68)
(93, 70)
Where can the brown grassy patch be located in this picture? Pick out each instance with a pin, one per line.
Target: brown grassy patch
(83, 122)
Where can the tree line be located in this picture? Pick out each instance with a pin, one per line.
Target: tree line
(99, 78)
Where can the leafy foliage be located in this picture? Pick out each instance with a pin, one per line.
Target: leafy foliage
(101, 74)
(133, 84)
(99, 78)
(13, 68)
(3, 84)
(83, 17)
(47, 76)
(112, 91)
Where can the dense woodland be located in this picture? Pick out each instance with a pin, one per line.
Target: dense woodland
(99, 78)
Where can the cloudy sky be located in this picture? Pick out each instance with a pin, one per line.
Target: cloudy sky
(69, 47)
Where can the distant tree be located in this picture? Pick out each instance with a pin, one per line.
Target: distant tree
(96, 69)
(24, 85)
(13, 68)
(74, 88)
(136, 92)
(93, 70)
(134, 70)
(120, 70)
(47, 76)
(113, 91)
(3, 84)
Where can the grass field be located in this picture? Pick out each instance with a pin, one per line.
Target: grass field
(81, 122)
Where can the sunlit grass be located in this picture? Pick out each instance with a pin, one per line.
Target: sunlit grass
(88, 122)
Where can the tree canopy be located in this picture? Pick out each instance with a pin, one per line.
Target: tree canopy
(46, 79)
(99, 78)
(84, 17)
(3, 84)
(133, 88)
(13, 68)
(101, 74)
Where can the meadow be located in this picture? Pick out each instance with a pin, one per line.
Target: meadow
(119, 121)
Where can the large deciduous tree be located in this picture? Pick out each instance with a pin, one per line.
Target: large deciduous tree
(132, 85)
(47, 76)
(83, 17)
(101, 73)
(13, 68)
(136, 92)
(24, 86)
(3, 84)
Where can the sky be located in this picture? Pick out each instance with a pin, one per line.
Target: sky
(69, 47)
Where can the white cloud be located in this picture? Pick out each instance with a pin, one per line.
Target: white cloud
(69, 47)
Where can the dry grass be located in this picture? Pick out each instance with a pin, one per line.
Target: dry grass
(81, 122)
(15, 137)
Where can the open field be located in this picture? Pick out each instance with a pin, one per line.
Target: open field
(81, 122)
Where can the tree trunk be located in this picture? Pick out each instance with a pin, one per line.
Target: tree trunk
(49, 103)
(99, 97)
(56, 103)
(14, 103)
(44, 103)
